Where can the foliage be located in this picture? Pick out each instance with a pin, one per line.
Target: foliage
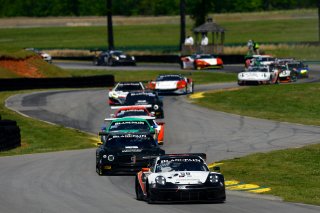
(34, 8)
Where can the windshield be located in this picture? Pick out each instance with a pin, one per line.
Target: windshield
(134, 112)
(136, 99)
(130, 141)
(169, 78)
(129, 125)
(180, 164)
(129, 87)
(258, 69)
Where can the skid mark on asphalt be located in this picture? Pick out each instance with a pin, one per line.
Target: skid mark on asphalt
(235, 185)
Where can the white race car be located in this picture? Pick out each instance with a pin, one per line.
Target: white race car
(172, 83)
(179, 178)
(201, 61)
(119, 93)
(258, 75)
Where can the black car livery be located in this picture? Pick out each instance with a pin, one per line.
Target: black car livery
(126, 153)
(148, 99)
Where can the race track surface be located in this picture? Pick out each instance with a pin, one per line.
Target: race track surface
(67, 182)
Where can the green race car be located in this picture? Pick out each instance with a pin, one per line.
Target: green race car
(126, 125)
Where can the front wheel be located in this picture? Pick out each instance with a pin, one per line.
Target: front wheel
(139, 193)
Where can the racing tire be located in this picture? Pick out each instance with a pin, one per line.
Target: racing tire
(96, 62)
(139, 193)
(240, 83)
(277, 81)
(99, 169)
(110, 63)
(192, 89)
(149, 199)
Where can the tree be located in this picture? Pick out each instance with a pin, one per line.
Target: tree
(199, 10)
(110, 26)
(182, 22)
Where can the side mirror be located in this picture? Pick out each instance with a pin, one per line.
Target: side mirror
(99, 143)
(111, 115)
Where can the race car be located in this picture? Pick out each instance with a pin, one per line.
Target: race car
(126, 125)
(126, 153)
(286, 74)
(179, 178)
(201, 61)
(301, 70)
(147, 99)
(259, 60)
(172, 84)
(142, 112)
(258, 75)
(118, 94)
(45, 56)
(114, 57)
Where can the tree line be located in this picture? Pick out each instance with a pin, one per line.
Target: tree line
(41, 8)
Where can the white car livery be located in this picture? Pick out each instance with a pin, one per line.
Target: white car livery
(172, 83)
(119, 93)
(258, 75)
(180, 177)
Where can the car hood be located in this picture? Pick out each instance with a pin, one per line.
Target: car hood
(183, 177)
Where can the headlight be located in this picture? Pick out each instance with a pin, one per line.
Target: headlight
(155, 107)
(161, 180)
(110, 157)
(132, 57)
(213, 178)
(104, 156)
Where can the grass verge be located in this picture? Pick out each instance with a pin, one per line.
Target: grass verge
(38, 137)
(292, 174)
(198, 77)
(296, 103)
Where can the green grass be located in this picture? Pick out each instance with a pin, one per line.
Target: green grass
(40, 137)
(198, 77)
(297, 103)
(264, 27)
(292, 174)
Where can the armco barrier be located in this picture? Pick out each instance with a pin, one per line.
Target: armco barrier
(227, 59)
(9, 135)
(44, 83)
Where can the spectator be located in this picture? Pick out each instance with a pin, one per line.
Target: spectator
(189, 41)
(256, 48)
(204, 40)
(250, 47)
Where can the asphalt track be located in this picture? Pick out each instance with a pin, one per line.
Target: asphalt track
(67, 182)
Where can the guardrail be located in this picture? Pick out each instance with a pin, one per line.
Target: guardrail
(45, 83)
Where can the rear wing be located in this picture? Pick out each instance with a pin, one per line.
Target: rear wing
(118, 107)
(142, 117)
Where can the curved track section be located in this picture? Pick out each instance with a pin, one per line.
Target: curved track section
(67, 182)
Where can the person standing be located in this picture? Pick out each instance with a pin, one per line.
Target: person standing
(189, 41)
(204, 40)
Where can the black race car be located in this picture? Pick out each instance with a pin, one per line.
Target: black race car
(148, 99)
(114, 57)
(126, 153)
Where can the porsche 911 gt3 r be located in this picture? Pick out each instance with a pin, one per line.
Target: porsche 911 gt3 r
(258, 75)
(172, 84)
(142, 112)
(201, 61)
(179, 177)
(119, 93)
